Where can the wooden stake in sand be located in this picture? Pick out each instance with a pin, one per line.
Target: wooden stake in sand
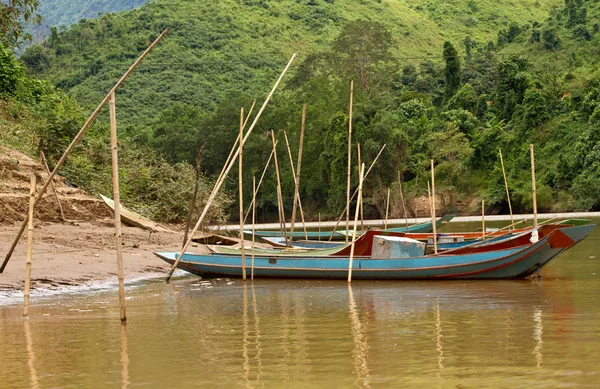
(387, 209)
(433, 208)
(253, 222)
(360, 183)
(241, 186)
(534, 191)
(76, 140)
(349, 161)
(355, 193)
(482, 218)
(26, 291)
(117, 207)
(506, 185)
(62, 213)
(219, 183)
(193, 202)
(279, 194)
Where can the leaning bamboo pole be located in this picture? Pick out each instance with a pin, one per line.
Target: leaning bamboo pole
(355, 192)
(26, 292)
(362, 211)
(402, 199)
(195, 195)
(534, 191)
(117, 206)
(253, 223)
(76, 140)
(349, 161)
(241, 191)
(387, 209)
(506, 185)
(296, 178)
(356, 214)
(433, 208)
(279, 193)
(258, 186)
(220, 182)
(62, 213)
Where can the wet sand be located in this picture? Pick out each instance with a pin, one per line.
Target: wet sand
(80, 253)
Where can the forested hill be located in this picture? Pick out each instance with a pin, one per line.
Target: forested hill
(449, 81)
(63, 13)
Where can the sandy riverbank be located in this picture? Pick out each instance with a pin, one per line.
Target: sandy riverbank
(80, 253)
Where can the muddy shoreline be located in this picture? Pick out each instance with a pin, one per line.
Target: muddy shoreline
(83, 253)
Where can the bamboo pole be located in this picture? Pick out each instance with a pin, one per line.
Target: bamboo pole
(253, 223)
(296, 177)
(506, 185)
(402, 199)
(220, 182)
(362, 211)
(279, 194)
(319, 226)
(258, 187)
(349, 161)
(26, 292)
(387, 209)
(117, 206)
(433, 208)
(534, 191)
(241, 187)
(360, 183)
(482, 218)
(193, 202)
(76, 140)
(355, 193)
(62, 213)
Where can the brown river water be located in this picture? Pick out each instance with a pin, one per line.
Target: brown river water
(222, 333)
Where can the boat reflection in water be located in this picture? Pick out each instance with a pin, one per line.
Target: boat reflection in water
(422, 333)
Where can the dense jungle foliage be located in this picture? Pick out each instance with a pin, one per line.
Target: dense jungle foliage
(449, 81)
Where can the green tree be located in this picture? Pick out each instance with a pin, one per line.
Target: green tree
(452, 71)
(12, 15)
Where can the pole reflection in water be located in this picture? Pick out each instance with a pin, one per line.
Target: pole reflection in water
(538, 329)
(33, 377)
(124, 357)
(245, 342)
(361, 346)
(438, 336)
(257, 331)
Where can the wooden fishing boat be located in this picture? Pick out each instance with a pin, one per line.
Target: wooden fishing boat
(515, 262)
(341, 234)
(134, 219)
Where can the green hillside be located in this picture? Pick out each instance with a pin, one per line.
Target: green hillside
(453, 81)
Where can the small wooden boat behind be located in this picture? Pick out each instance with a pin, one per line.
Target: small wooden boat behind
(509, 263)
(135, 219)
(341, 234)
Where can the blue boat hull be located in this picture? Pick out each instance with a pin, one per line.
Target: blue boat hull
(517, 262)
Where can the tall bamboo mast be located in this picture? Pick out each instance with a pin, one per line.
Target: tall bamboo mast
(76, 140)
(506, 185)
(279, 194)
(253, 223)
(534, 191)
(433, 207)
(241, 193)
(362, 211)
(349, 161)
(117, 207)
(360, 184)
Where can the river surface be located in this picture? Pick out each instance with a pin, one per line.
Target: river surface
(222, 333)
